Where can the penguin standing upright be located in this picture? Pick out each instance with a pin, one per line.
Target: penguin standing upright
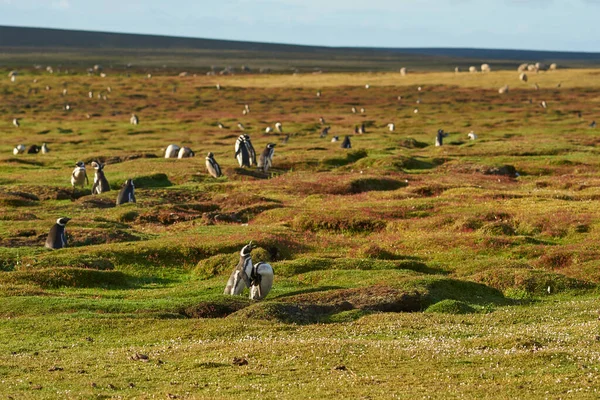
(251, 151)
(57, 238)
(134, 120)
(212, 166)
(100, 183)
(346, 143)
(79, 176)
(439, 138)
(126, 195)
(241, 152)
(240, 277)
(261, 280)
(266, 158)
(45, 148)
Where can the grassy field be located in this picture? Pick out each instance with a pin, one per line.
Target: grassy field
(403, 270)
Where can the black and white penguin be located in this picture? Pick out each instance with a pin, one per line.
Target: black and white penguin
(278, 127)
(79, 176)
(593, 124)
(57, 239)
(261, 280)
(251, 151)
(240, 277)
(100, 183)
(325, 131)
(266, 158)
(172, 151)
(19, 149)
(212, 166)
(391, 126)
(134, 120)
(335, 139)
(439, 138)
(241, 152)
(185, 152)
(220, 125)
(346, 143)
(322, 120)
(16, 122)
(45, 149)
(33, 149)
(127, 193)
(285, 139)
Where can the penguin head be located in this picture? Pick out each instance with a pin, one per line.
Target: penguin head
(80, 164)
(129, 182)
(210, 155)
(62, 221)
(97, 166)
(247, 249)
(440, 131)
(270, 145)
(246, 137)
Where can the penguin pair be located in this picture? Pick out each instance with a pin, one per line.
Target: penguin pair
(244, 151)
(257, 277)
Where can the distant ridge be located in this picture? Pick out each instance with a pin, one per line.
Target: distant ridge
(23, 46)
(11, 36)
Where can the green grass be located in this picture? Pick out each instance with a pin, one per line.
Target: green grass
(402, 269)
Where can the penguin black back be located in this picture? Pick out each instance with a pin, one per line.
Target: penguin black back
(266, 158)
(127, 193)
(346, 143)
(57, 238)
(100, 183)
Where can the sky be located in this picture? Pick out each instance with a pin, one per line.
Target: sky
(500, 24)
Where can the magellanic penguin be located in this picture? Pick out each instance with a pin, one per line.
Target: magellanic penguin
(325, 131)
(439, 138)
(241, 152)
(240, 277)
(261, 280)
(57, 238)
(45, 148)
(100, 183)
(185, 152)
(251, 151)
(16, 122)
(335, 139)
(212, 166)
(33, 149)
(172, 151)
(79, 176)
(391, 126)
(19, 149)
(134, 120)
(127, 193)
(266, 158)
(346, 143)
(278, 127)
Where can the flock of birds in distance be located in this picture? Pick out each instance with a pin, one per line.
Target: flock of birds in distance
(257, 277)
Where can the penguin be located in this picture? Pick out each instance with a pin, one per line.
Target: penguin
(266, 158)
(325, 131)
(45, 149)
(362, 129)
(172, 151)
(353, 110)
(391, 126)
(240, 277)
(134, 120)
(335, 139)
(212, 166)
(543, 104)
(251, 151)
(220, 125)
(285, 139)
(261, 280)
(472, 135)
(346, 143)
(33, 149)
(100, 183)
(67, 107)
(268, 129)
(79, 176)
(241, 152)
(593, 124)
(19, 149)
(278, 127)
(185, 152)
(362, 110)
(91, 94)
(439, 138)
(322, 120)
(127, 193)
(16, 122)
(218, 87)
(57, 239)
(318, 93)
(241, 126)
